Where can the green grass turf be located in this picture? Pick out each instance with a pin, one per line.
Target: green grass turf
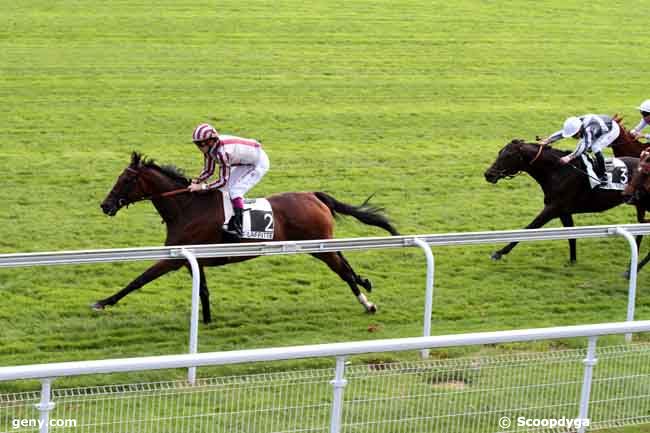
(411, 100)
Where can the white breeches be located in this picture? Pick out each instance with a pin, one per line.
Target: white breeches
(245, 177)
(606, 139)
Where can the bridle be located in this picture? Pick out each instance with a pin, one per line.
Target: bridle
(502, 174)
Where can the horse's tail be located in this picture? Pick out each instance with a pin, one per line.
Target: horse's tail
(366, 213)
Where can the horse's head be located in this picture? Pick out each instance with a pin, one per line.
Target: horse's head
(128, 188)
(509, 162)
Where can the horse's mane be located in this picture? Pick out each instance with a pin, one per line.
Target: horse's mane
(548, 149)
(138, 160)
(627, 136)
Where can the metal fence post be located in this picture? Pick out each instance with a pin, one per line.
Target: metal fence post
(45, 406)
(339, 384)
(589, 363)
(428, 297)
(194, 319)
(634, 260)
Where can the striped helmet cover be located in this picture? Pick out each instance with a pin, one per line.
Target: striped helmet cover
(203, 132)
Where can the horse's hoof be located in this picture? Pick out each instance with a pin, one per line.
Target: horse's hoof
(496, 256)
(372, 309)
(97, 306)
(366, 285)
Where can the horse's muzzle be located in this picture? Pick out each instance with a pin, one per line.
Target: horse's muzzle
(109, 208)
(492, 176)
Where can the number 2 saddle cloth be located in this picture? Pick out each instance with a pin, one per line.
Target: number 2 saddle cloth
(257, 221)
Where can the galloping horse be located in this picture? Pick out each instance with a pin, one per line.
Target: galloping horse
(197, 218)
(566, 187)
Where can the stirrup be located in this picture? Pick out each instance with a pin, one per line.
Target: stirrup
(234, 229)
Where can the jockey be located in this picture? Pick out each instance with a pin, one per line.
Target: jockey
(242, 163)
(595, 131)
(644, 108)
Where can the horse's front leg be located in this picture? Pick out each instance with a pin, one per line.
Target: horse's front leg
(157, 270)
(547, 214)
(567, 221)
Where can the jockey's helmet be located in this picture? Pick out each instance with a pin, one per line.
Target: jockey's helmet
(645, 106)
(571, 127)
(203, 132)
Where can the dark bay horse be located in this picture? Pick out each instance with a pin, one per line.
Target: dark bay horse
(196, 218)
(566, 187)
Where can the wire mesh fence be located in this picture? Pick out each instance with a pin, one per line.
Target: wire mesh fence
(455, 395)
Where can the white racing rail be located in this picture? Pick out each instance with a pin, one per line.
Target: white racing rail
(315, 246)
(46, 372)
(194, 252)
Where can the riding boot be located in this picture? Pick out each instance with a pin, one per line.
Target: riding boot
(599, 167)
(236, 222)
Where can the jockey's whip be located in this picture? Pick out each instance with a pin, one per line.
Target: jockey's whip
(583, 172)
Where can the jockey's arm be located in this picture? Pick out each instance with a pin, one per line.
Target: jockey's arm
(553, 137)
(580, 148)
(224, 172)
(636, 131)
(208, 169)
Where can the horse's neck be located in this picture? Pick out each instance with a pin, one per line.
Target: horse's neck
(626, 145)
(181, 209)
(544, 168)
(169, 208)
(158, 183)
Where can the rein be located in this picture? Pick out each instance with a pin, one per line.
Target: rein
(162, 194)
(155, 196)
(539, 153)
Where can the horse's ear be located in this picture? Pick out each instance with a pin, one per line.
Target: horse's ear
(517, 141)
(135, 159)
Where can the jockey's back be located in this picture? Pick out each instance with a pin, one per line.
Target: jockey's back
(597, 124)
(238, 150)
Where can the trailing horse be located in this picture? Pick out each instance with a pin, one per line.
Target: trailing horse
(566, 187)
(197, 218)
(625, 144)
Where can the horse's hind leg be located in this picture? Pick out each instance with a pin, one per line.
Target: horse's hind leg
(364, 282)
(340, 265)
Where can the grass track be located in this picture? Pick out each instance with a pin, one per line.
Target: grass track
(411, 100)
